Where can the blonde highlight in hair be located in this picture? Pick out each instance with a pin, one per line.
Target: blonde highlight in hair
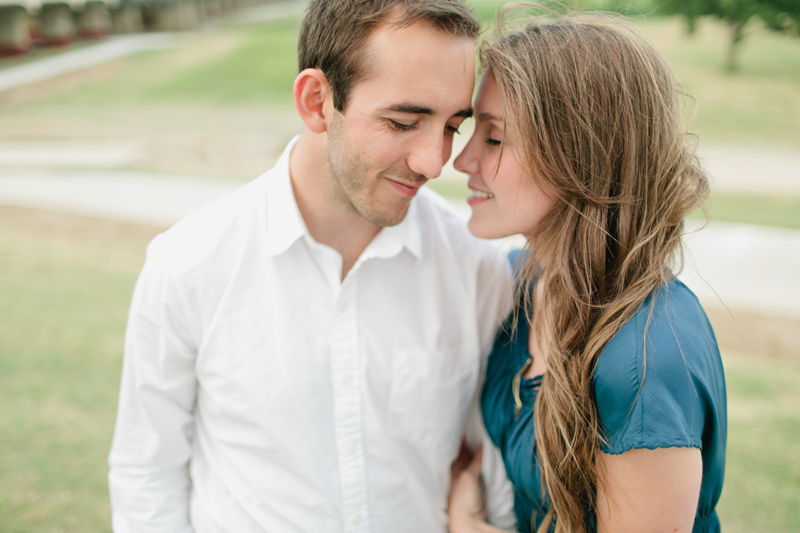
(597, 113)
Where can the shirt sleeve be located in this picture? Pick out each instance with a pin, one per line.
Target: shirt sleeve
(494, 296)
(149, 459)
(499, 490)
(494, 303)
(658, 398)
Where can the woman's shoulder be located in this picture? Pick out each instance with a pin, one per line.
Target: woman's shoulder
(658, 370)
(674, 325)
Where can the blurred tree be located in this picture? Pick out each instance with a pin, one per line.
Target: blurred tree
(777, 15)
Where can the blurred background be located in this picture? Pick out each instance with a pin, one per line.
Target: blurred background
(118, 117)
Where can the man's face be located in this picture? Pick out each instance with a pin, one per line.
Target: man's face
(397, 129)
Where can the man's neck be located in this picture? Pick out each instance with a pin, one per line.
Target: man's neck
(328, 221)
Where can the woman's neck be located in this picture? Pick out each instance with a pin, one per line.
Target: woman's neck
(538, 353)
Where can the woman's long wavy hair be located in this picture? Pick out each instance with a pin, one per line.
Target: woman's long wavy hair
(597, 113)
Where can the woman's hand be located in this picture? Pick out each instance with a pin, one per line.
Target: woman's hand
(466, 507)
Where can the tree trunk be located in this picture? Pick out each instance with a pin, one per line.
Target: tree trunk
(691, 24)
(737, 34)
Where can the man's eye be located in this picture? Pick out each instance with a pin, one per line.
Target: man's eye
(453, 130)
(399, 126)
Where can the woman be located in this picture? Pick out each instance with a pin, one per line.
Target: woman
(605, 391)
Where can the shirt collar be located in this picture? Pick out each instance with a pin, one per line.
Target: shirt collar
(391, 240)
(285, 224)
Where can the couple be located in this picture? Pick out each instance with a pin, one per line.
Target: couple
(307, 354)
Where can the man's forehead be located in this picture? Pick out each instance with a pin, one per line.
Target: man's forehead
(400, 76)
(394, 44)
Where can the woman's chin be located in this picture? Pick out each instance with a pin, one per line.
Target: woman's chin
(482, 230)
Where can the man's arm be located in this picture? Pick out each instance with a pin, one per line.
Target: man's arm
(498, 493)
(494, 303)
(149, 479)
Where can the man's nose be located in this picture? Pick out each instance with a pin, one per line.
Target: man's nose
(427, 156)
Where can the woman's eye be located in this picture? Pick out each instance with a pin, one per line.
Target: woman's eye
(399, 126)
(493, 142)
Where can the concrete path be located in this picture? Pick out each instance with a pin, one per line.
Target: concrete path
(734, 169)
(131, 196)
(751, 169)
(112, 48)
(70, 154)
(267, 12)
(744, 267)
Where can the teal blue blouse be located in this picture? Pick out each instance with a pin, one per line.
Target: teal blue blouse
(681, 402)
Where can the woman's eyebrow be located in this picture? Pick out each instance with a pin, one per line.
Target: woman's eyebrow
(489, 118)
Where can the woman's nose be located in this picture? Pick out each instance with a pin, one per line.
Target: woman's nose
(466, 162)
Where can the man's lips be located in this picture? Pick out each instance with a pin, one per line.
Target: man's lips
(405, 189)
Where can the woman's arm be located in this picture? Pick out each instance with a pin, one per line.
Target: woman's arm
(644, 490)
(639, 491)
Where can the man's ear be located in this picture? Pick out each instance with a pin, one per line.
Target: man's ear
(311, 90)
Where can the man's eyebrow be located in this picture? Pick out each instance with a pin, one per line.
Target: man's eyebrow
(422, 110)
(410, 108)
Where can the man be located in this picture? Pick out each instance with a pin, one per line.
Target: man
(303, 354)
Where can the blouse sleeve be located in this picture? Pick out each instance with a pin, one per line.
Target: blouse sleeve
(662, 397)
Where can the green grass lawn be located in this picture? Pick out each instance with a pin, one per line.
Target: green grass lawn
(762, 477)
(758, 105)
(65, 286)
(256, 65)
(229, 66)
(765, 210)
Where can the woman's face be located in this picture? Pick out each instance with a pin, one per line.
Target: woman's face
(505, 198)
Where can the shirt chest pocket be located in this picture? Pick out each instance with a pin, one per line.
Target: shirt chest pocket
(431, 395)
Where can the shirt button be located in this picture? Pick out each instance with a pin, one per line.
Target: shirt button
(357, 519)
(349, 449)
(347, 379)
(342, 306)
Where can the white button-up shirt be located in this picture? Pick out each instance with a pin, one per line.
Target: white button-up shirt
(260, 392)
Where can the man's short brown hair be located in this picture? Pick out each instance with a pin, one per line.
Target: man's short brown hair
(334, 33)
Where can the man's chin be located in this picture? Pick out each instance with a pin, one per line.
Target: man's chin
(388, 217)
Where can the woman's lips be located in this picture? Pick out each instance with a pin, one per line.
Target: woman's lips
(478, 196)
